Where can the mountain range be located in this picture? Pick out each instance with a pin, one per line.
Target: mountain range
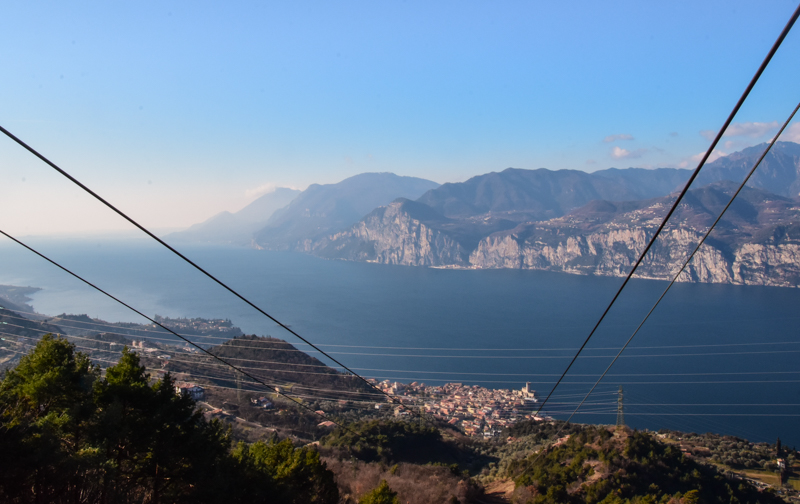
(237, 228)
(525, 195)
(563, 220)
(756, 243)
(323, 209)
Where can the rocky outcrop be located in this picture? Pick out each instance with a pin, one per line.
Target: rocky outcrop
(611, 253)
(390, 235)
(757, 264)
(758, 242)
(614, 253)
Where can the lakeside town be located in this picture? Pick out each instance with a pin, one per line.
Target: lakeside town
(476, 410)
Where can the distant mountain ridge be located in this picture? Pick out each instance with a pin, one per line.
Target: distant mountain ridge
(592, 223)
(779, 173)
(515, 219)
(756, 243)
(483, 204)
(323, 209)
(527, 195)
(237, 228)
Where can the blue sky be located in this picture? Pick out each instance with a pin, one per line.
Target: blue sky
(179, 110)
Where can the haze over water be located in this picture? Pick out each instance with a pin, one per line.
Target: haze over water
(732, 346)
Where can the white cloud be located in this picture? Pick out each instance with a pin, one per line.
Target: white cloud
(620, 153)
(260, 190)
(614, 138)
(745, 129)
(692, 161)
(791, 134)
(751, 129)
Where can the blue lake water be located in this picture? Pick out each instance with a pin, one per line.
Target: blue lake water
(713, 358)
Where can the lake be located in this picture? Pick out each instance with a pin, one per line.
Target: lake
(716, 358)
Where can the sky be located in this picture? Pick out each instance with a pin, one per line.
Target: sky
(175, 111)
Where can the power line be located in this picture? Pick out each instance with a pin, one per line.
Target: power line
(263, 345)
(158, 324)
(683, 192)
(697, 414)
(522, 357)
(686, 262)
(680, 270)
(514, 357)
(174, 251)
(702, 424)
(696, 248)
(453, 379)
(321, 398)
(290, 385)
(627, 382)
(285, 382)
(459, 373)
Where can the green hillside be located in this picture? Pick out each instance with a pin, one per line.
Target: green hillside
(600, 464)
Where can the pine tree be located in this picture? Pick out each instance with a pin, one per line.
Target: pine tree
(69, 436)
(381, 494)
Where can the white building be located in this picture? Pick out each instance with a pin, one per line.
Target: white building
(194, 391)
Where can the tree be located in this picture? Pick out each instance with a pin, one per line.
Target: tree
(45, 408)
(69, 436)
(391, 441)
(298, 474)
(381, 494)
(153, 440)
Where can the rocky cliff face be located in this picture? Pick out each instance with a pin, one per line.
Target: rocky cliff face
(757, 264)
(613, 253)
(390, 235)
(758, 243)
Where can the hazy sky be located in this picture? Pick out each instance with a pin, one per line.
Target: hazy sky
(178, 110)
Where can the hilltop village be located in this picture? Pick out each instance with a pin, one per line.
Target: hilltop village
(477, 411)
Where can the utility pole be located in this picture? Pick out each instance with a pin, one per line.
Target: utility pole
(238, 377)
(620, 410)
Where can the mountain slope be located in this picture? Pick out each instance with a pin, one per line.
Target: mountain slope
(779, 173)
(528, 195)
(395, 234)
(324, 209)
(409, 233)
(531, 195)
(599, 464)
(757, 242)
(237, 228)
(594, 223)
